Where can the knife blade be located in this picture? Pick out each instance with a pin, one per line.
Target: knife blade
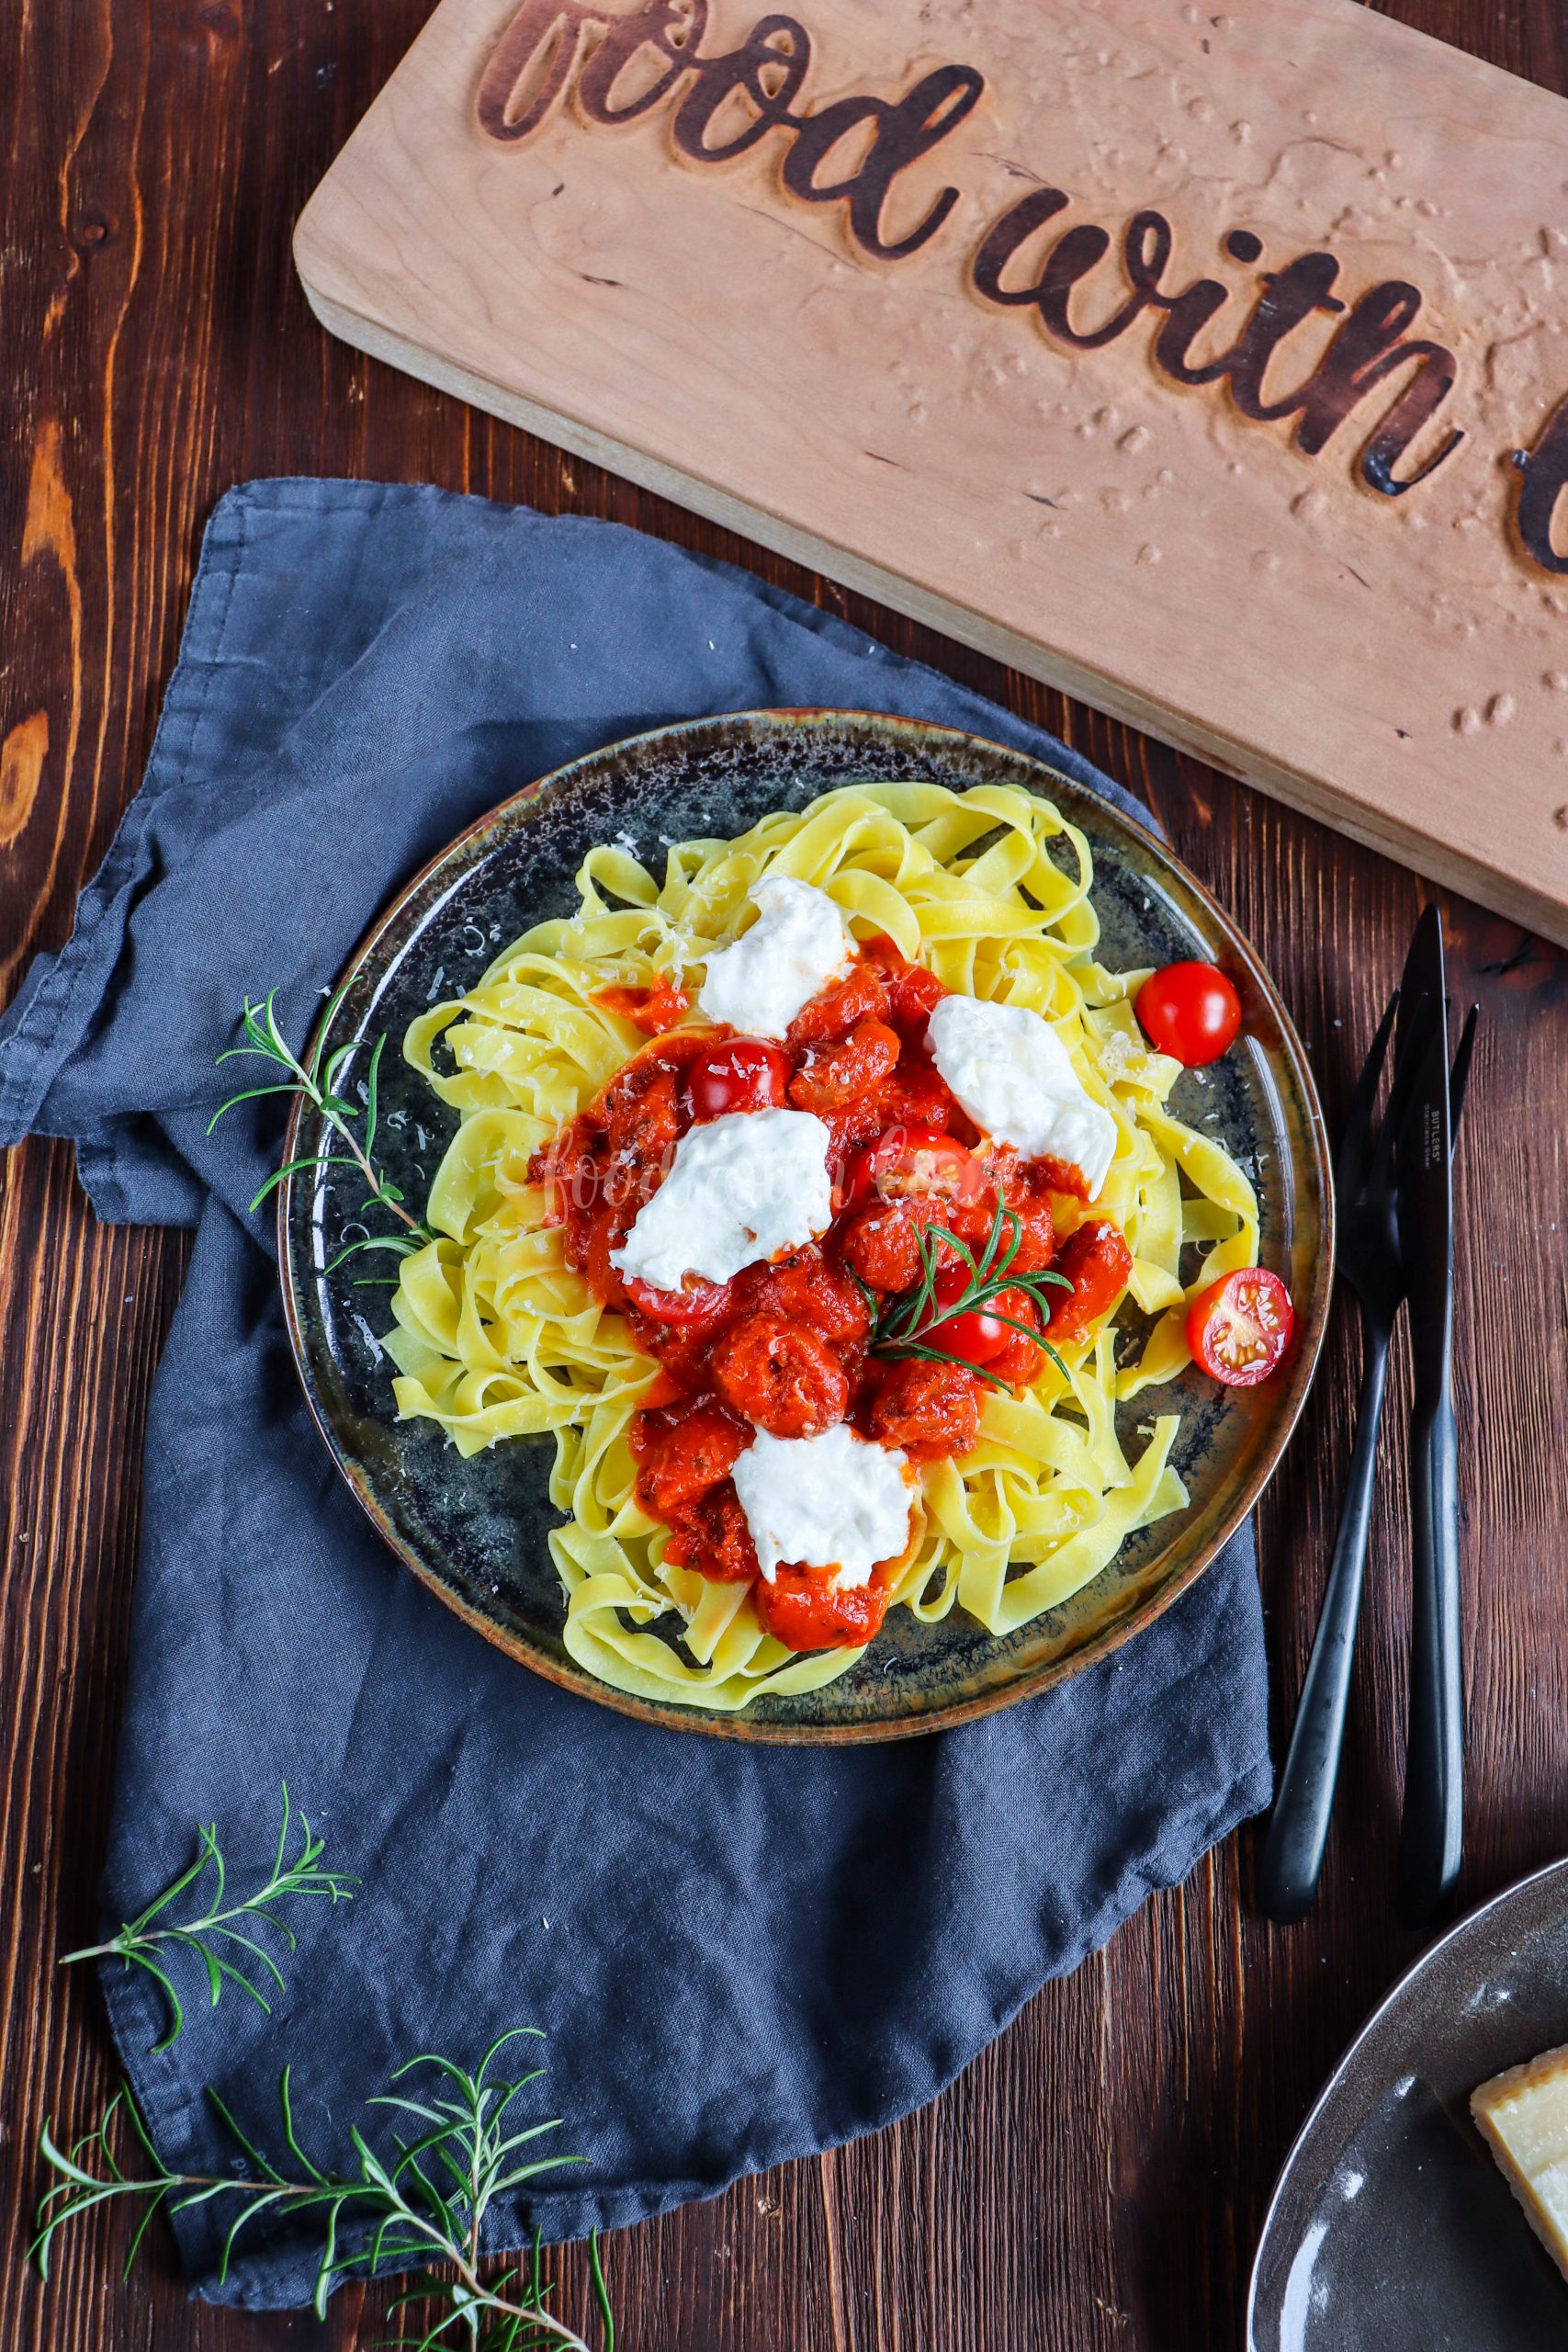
(1431, 1842)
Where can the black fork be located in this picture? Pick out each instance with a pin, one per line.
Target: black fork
(1368, 1256)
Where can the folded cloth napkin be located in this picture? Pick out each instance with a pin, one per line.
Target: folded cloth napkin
(739, 1953)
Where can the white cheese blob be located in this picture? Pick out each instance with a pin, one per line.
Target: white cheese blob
(792, 951)
(739, 1188)
(1011, 1073)
(833, 1501)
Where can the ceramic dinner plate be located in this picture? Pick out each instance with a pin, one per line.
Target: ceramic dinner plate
(1392, 2229)
(475, 1531)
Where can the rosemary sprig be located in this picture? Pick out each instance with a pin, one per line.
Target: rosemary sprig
(214, 1935)
(912, 1324)
(426, 2203)
(318, 1083)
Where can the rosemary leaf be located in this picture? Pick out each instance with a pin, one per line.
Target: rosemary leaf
(912, 1324)
(316, 1084)
(150, 1939)
(387, 2211)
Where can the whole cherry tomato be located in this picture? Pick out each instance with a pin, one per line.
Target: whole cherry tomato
(1240, 1327)
(742, 1074)
(1190, 1011)
(917, 1163)
(975, 1335)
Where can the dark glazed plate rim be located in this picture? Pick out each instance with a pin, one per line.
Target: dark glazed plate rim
(1311, 1173)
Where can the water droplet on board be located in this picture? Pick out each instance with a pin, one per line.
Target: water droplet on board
(1138, 436)
(1148, 555)
(1500, 709)
(1467, 720)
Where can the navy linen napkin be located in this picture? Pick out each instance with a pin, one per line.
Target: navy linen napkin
(739, 1954)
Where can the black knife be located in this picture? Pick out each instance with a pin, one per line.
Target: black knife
(1431, 1842)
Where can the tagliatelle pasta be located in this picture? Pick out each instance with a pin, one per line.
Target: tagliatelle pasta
(498, 1337)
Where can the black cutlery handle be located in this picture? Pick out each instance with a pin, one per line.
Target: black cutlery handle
(1431, 1837)
(1292, 1855)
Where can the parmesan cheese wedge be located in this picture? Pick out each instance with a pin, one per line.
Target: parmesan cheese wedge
(1523, 2116)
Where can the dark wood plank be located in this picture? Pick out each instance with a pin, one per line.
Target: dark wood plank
(1096, 2181)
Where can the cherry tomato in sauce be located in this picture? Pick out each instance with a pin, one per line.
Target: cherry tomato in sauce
(1240, 1327)
(654, 1009)
(929, 1410)
(913, 992)
(1019, 1360)
(712, 1536)
(916, 1095)
(695, 1303)
(741, 1074)
(918, 1164)
(1097, 1262)
(881, 1244)
(863, 996)
(831, 1077)
(805, 1611)
(682, 1460)
(1190, 1011)
(780, 1375)
(806, 1288)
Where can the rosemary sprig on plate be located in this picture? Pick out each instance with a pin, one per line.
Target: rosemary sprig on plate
(912, 1324)
(150, 1939)
(424, 2204)
(319, 1083)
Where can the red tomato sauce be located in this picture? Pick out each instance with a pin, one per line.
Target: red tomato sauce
(783, 1346)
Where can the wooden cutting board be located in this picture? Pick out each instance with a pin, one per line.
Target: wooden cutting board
(1208, 361)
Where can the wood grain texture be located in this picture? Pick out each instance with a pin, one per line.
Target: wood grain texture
(1132, 519)
(1095, 2182)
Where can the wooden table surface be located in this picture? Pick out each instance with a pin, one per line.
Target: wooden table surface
(1095, 2182)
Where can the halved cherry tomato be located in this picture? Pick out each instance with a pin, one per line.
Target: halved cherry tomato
(1190, 1011)
(741, 1074)
(694, 1302)
(917, 1164)
(1240, 1327)
(654, 1009)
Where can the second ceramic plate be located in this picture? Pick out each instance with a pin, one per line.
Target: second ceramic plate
(1392, 2229)
(475, 1531)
